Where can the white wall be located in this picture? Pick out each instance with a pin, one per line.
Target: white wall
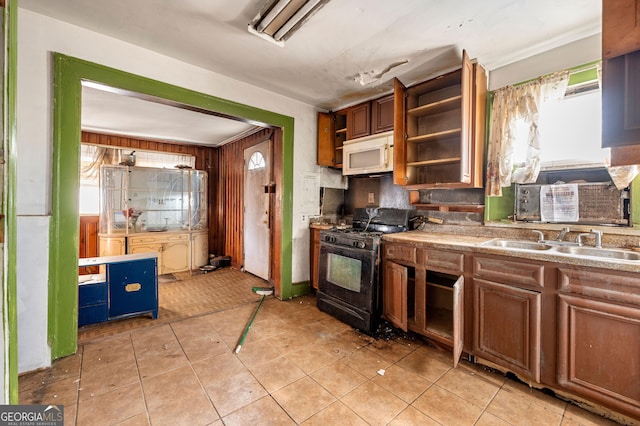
(570, 55)
(38, 37)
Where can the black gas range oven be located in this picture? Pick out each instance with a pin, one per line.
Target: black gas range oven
(348, 286)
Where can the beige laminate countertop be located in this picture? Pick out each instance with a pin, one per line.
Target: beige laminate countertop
(472, 244)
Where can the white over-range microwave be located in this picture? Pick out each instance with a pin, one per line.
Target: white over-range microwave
(369, 154)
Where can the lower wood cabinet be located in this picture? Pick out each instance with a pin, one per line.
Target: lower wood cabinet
(599, 337)
(507, 327)
(425, 297)
(177, 251)
(507, 305)
(314, 255)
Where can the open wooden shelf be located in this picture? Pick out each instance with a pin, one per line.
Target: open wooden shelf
(436, 107)
(435, 162)
(432, 137)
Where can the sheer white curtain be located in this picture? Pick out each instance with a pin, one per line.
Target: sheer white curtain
(513, 104)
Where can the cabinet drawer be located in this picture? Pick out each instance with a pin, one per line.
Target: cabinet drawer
(444, 261)
(90, 294)
(400, 252)
(509, 271)
(158, 238)
(601, 284)
(92, 314)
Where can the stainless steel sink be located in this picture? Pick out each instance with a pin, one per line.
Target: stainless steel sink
(602, 253)
(516, 244)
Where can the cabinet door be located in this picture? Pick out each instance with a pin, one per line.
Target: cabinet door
(326, 140)
(621, 103)
(382, 114)
(133, 287)
(394, 294)
(359, 121)
(175, 257)
(147, 248)
(458, 320)
(314, 255)
(507, 327)
(112, 246)
(466, 130)
(199, 249)
(599, 351)
(620, 27)
(399, 134)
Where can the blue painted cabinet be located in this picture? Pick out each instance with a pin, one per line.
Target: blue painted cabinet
(129, 288)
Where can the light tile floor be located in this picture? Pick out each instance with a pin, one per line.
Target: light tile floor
(297, 366)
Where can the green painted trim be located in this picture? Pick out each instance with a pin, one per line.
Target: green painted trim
(68, 76)
(635, 201)
(10, 310)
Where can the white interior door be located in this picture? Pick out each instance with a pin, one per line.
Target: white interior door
(257, 174)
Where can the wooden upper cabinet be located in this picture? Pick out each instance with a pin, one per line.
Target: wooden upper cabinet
(439, 139)
(326, 139)
(621, 108)
(359, 121)
(620, 27)
(399, 133)
(382, 114)
(332, 132)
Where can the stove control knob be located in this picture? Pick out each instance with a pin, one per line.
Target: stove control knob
(359, 244)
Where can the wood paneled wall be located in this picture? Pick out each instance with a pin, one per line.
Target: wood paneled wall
(88, 243)
(230, 197)
(200, 152)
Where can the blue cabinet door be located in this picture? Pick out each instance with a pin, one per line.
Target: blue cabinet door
(133, 288)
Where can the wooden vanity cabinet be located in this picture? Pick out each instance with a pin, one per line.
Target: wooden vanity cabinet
(439, 134)
(599, 336)
(507, 298)
(423, 292)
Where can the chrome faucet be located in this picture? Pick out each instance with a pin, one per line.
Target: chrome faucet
(539, 234)
(562, 234)
(596, 234)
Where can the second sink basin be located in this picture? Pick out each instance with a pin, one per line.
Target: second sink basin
(599, 252)
(515, 244)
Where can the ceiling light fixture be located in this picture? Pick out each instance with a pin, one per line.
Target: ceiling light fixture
(279, 19)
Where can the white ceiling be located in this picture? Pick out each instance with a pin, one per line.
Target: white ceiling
(322, 63)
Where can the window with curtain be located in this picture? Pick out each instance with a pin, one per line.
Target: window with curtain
(551, 122)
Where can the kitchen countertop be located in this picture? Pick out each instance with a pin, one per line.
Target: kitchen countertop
(472, 243)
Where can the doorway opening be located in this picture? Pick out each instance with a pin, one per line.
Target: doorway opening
(63, 268)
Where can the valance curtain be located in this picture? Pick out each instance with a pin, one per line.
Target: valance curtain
(510, 105)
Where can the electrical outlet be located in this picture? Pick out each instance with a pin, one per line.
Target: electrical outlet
(372, 198)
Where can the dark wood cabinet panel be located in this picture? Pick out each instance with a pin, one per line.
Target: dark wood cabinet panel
(332, 132)
(382, 114)
(359, 121)
(621, 103)
(89, 242)
(599, 351)
(394, 294)
(620, 27)
(507, 327)
(314, 255)
(509, 271)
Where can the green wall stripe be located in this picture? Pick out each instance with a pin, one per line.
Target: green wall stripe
(63, 268)
(10, 20)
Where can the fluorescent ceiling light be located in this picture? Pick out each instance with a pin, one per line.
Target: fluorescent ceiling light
(279, 19)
